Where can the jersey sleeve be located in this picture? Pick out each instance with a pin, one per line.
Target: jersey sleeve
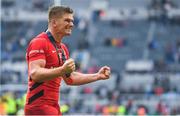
(36, 50)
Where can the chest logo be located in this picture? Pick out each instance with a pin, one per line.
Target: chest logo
(53, 51)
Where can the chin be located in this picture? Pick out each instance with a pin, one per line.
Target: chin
(69, 33)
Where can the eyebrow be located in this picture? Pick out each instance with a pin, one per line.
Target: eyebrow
(69, 19)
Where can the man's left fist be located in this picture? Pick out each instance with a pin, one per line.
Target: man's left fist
(104, 73)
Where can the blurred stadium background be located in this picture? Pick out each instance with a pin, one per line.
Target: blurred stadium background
(138, 39)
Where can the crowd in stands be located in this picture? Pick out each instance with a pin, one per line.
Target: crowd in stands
(160, 99)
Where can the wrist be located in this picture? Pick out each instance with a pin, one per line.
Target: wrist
(97, 75)
(67, 75)
(62, 71)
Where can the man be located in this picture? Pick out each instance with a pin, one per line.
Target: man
(48, 63)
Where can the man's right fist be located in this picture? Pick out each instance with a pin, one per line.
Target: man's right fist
(69, 66)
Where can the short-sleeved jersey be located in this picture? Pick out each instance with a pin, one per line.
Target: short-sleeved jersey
(46, 92)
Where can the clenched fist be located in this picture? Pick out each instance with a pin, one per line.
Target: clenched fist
(69, 66)
(104, 73)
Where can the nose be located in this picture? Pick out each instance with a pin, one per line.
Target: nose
(71, 24)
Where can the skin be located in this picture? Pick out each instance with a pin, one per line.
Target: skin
(60, 27)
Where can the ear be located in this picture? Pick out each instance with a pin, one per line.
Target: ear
(54, 23)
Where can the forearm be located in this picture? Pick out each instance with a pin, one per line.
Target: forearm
(44, 74)
(80, 79)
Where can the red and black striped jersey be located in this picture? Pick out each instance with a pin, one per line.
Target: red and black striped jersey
(41, 48)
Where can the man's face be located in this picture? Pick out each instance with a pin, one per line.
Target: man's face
(64, 24)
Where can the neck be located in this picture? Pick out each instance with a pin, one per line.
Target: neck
(55, 35)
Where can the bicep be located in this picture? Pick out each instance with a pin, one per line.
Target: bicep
(34, 65)
(76, 74)
(70, 80)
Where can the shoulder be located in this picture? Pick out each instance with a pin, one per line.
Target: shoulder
(39, 40)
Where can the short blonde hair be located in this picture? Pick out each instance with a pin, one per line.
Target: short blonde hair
(58, 11)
